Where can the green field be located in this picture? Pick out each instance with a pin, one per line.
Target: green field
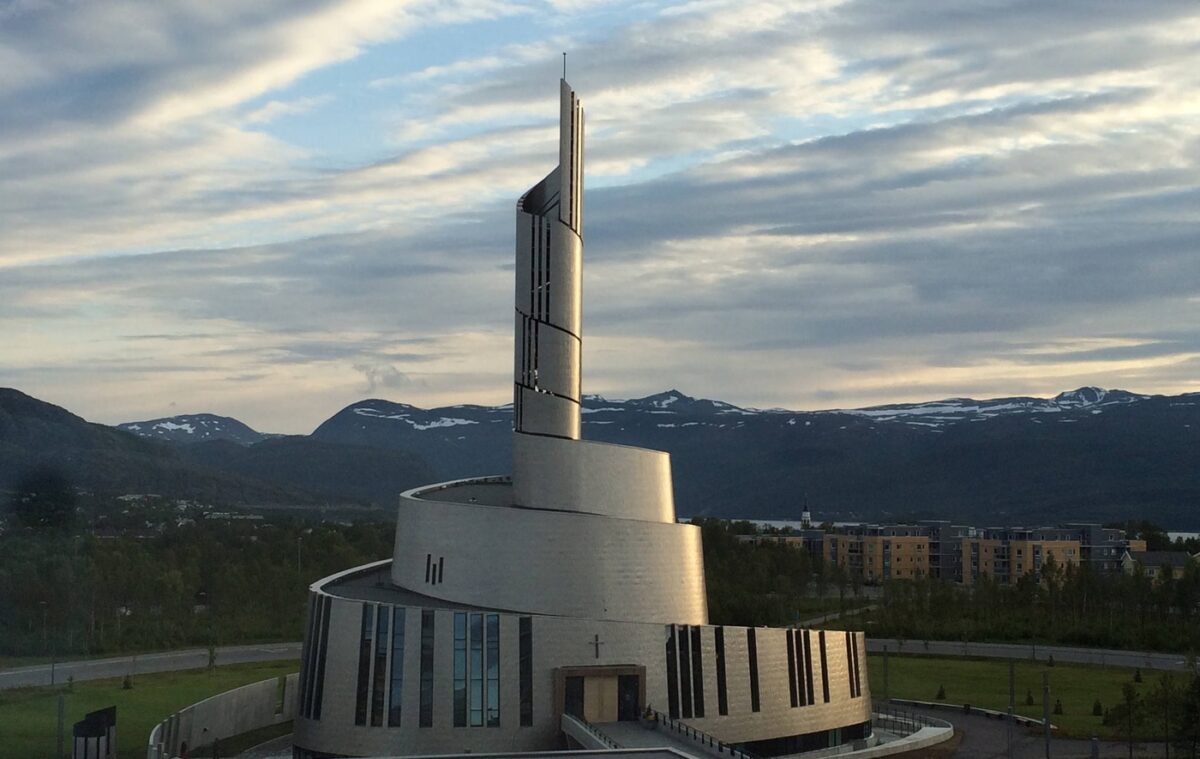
(28, 716)
(984, 683)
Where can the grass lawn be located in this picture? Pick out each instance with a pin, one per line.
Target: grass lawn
(29, 716)
(984, 682)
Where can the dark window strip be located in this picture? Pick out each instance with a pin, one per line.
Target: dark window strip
(426, 706)
(808, 667)
(722, 694)
(697, 673)
(824, 666)
(319, 688)
(525, 635)
(672, 676)
(685, 672)
(791, 661)
(363, 684)
(752, 648)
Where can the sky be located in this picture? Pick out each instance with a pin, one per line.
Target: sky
(271, 210)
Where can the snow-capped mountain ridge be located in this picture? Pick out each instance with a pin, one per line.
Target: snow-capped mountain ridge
(194, 428)
(954, 410)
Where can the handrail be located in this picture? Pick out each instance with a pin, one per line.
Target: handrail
(591, 730)
(889, 716)
(699, 736)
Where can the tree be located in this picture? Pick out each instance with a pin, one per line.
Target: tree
(44, 499)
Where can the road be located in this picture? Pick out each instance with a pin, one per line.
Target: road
(1103, 656)
(167, 661)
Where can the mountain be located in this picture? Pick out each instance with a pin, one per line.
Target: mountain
(1084, 454)
(35, 435)
(194, 428)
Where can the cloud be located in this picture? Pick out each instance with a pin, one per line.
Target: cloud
(862, 201)
(383, 376)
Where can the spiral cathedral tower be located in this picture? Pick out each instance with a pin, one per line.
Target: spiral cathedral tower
(515, 607)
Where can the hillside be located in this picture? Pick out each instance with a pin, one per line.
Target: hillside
(106, 460)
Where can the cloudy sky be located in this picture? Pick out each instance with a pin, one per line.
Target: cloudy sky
(272, 209)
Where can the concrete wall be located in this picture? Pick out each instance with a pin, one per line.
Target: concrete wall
(231, 713)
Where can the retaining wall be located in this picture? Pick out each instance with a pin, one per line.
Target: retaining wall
(224, 715)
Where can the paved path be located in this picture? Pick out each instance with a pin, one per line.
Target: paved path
(1102, 656)
(168, 661)
(834, 616)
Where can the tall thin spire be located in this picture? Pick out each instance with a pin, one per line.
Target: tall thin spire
(547, 374)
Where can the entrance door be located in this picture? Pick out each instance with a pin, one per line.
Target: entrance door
(600, 699)
(627, 698)
(573, 697)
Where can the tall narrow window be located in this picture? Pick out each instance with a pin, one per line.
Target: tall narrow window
(697, 673)
(752, 650)
(379, 677)
(397, 676)
(309, 655)
(857, 668)
(801, 674)
(685, 671)
(824, 666)
(850, 665)
(319, 688)
(366, 634)
(492, 669)
(722, 695)
(791, 659)
(808, 668)
(525, 625)
(460, 669)
(427, 638)
(475, 669)
(672, 676)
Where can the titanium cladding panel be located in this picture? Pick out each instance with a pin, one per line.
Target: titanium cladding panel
(549, 280)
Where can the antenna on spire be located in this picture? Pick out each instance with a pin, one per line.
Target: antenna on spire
(564, 65)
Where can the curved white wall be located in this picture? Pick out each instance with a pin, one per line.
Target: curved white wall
(598, 478)
(551, 562)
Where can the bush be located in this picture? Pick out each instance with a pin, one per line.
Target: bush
(1097, 709)
(941, 694)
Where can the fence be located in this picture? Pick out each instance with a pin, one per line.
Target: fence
(702, 738)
